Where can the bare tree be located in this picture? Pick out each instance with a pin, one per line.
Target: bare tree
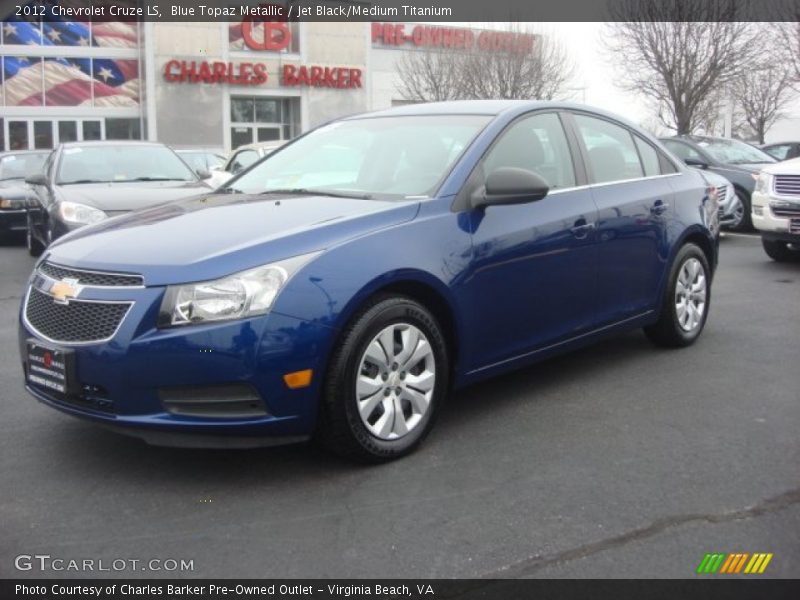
(542, 71)
(679, 54)
(761, 94)
(430, 75)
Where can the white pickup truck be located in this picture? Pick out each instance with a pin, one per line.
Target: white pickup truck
(776, 209)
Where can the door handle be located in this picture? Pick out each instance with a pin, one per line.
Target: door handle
(659, 208)
(581, 228)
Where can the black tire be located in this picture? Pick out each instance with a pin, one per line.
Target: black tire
(340, 427)
(746, 224)
(35, 247)
(667, 331)
(778, 251)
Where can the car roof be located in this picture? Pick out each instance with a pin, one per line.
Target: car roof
(100, 143)
(41, 151)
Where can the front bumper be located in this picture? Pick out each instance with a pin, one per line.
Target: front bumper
(13, 220)
(784, 226)
(121, 383)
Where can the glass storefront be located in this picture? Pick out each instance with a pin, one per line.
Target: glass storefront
(262, 119)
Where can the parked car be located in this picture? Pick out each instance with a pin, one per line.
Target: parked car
(87, 182)
(782, 150)
(734, 160)
(240, 159)
(15, 166)
(776, 210)
(202, 160)
(458, 241)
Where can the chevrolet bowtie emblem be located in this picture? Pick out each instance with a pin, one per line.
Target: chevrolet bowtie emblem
(63, 290)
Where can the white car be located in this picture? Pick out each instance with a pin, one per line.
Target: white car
(776, 209)
(240, 159)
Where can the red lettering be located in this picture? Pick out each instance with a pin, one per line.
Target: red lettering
(289, 75)
(377, 31)
(260, 74)
(219, 69)
(169, 70)
(316, 73)
(355, 78)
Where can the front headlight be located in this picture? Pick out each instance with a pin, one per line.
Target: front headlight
(72, 212)
(763, 183)
(237, 296)
(12, 203)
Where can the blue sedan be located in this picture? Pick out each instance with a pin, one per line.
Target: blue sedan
(343, 286)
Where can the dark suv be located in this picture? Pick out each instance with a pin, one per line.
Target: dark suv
(736, 161)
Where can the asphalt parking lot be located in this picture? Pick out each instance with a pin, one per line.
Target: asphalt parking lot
(620, 460)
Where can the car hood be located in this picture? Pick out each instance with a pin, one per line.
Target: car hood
(214, 235)
(787, 167)
(16, 188)
(123, 197)
(748, 167)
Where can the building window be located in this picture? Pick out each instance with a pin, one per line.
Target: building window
(123, 129)
(262, 119)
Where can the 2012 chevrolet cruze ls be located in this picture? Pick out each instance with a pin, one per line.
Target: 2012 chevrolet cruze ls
(341, 287)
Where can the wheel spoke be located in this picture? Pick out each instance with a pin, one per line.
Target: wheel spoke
(410, 339)
(386, 341)
(400, 426)
(375, 355)
(419, 402)
(367, 406)
(368, 386)
(423, 382)
(422, 350)
(383, 426)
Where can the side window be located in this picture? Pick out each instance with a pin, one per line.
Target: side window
(243, 159)
(681, 150)
(47, 169)
(536, 143)
(649, 157)
(612, 153)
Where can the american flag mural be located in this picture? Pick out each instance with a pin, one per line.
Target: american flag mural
(65, 81)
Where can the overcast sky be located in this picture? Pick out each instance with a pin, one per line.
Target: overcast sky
(596, 73)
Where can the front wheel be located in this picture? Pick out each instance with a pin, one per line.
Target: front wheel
(742, 221)
(779, 251)
(687, 299)
(386, 381)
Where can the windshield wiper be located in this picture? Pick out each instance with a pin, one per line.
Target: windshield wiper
(154, 179)
(79, 181)
(230, 190)
(318, 192)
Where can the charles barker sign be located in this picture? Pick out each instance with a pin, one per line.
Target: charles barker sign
(268, 37)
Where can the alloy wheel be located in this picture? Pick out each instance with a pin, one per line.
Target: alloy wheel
(691, 291)
(395, 383)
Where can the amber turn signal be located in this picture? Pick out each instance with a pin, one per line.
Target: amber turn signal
(298, 379)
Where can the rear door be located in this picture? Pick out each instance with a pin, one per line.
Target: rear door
(634, 202)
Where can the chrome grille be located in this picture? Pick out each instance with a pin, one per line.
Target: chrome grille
(787, 185)
(77, 322)
(785, 210)
(91, 278)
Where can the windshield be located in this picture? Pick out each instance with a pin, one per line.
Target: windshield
(734, 152)
(370, 157)
(20, 166)
(116, 164)
(199, 160)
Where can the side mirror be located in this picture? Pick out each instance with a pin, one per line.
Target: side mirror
(696, 162)
(203, 174)
(510, 185)
(36, 179)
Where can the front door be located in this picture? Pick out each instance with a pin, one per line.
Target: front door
(532, 279)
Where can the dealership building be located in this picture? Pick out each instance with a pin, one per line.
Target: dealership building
(209, 84)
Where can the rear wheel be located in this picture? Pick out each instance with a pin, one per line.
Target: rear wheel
(779, 251)
(35, 248)
(686, 301)
(386, 381)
